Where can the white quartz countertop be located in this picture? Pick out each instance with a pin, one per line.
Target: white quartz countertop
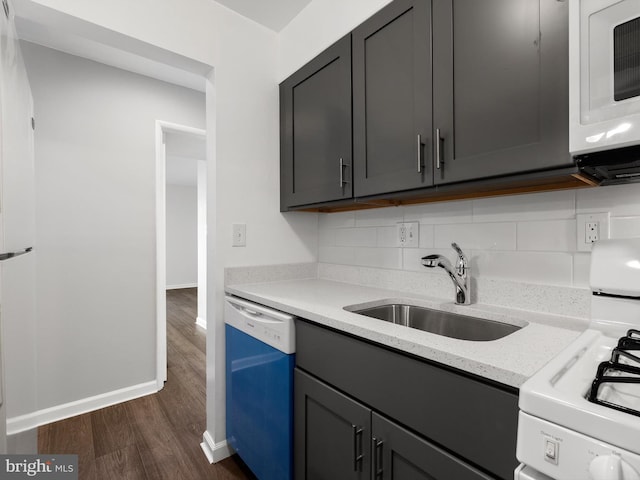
(510, 360)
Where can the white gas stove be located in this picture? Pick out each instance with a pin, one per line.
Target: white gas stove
(580, 414)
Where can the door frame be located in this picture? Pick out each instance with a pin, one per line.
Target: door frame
(163, 127)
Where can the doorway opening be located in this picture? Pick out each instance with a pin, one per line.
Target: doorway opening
(180, 159)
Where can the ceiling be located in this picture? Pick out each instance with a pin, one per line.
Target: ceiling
(273, 14)
(45, 26)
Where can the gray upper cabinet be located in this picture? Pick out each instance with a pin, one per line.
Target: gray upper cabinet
(448, 96)
(315, 129)
(500, 87)
(392, 132)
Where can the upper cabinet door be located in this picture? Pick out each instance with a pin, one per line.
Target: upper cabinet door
(315, 126)
(500, 87)
(392, 87)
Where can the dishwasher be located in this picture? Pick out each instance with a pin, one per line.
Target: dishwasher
(260, 358)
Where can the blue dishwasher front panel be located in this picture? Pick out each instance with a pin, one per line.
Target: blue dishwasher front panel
(260, 405)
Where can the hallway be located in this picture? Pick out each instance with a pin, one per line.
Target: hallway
(157, 436)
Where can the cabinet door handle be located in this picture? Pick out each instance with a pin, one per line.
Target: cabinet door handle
(343, 182)
(376, 447)
(439, 160)
(419, 153)
(8, 255)
(357, 448)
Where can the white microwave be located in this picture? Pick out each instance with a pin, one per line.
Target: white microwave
(604, 76)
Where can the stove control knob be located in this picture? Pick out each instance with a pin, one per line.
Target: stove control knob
(612, 467)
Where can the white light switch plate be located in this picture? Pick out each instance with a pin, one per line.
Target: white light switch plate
(239, 235)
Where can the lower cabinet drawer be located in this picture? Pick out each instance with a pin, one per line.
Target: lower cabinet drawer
(476, 420)
(336, 437)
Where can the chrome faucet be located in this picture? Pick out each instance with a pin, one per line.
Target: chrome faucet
(459, 275)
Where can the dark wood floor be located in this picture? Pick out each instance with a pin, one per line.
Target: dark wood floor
(157, 436)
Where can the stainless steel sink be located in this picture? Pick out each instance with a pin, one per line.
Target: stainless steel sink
(441, 323)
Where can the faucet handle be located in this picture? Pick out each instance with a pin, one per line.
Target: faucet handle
(457, 249)
(461, 263)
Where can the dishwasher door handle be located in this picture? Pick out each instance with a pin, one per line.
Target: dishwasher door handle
(273, 327)
(257, 312)
(256, 316)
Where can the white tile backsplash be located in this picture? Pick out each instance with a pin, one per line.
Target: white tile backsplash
(427, 236)
(532, 267)
(620, 200)
(388, 236)
(379, 257)
(625, 227)
(336, 220)
(441, 212)
(547, 236)
(581, 263)
(356, 237)
(339, 255)
(518, 208)
(473, 236)
(527, 238)
(326, 237)
(378, 217)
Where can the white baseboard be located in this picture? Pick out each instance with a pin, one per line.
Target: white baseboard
(201, 322)
(22, 423)
(23, 443)
(186, 285)
(215, 451)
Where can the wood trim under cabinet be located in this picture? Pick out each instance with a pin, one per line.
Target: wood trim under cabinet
(491, 188)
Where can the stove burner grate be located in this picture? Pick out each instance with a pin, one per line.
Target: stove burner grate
(623, 368)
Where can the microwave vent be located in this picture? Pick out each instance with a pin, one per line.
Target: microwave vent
(612, 167)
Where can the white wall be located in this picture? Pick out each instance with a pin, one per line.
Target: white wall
(18, 381)
(188, 29)
(95, 214)
(319, 25)
(247, 186)
(182, 236)
(242, 143)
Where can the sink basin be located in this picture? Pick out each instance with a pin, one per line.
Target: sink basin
(447, 324)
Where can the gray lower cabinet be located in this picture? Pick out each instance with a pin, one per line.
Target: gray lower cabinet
(338, 438)
(315, 130)
(399, 454)
(430, 418)
(332, 433)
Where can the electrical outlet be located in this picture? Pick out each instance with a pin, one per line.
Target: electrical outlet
(239, 235)
(592, 232)
(402, 234)
(591, 227)
(408, 234)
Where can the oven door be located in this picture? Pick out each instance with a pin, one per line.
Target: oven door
(604, 74)
(524, 472)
